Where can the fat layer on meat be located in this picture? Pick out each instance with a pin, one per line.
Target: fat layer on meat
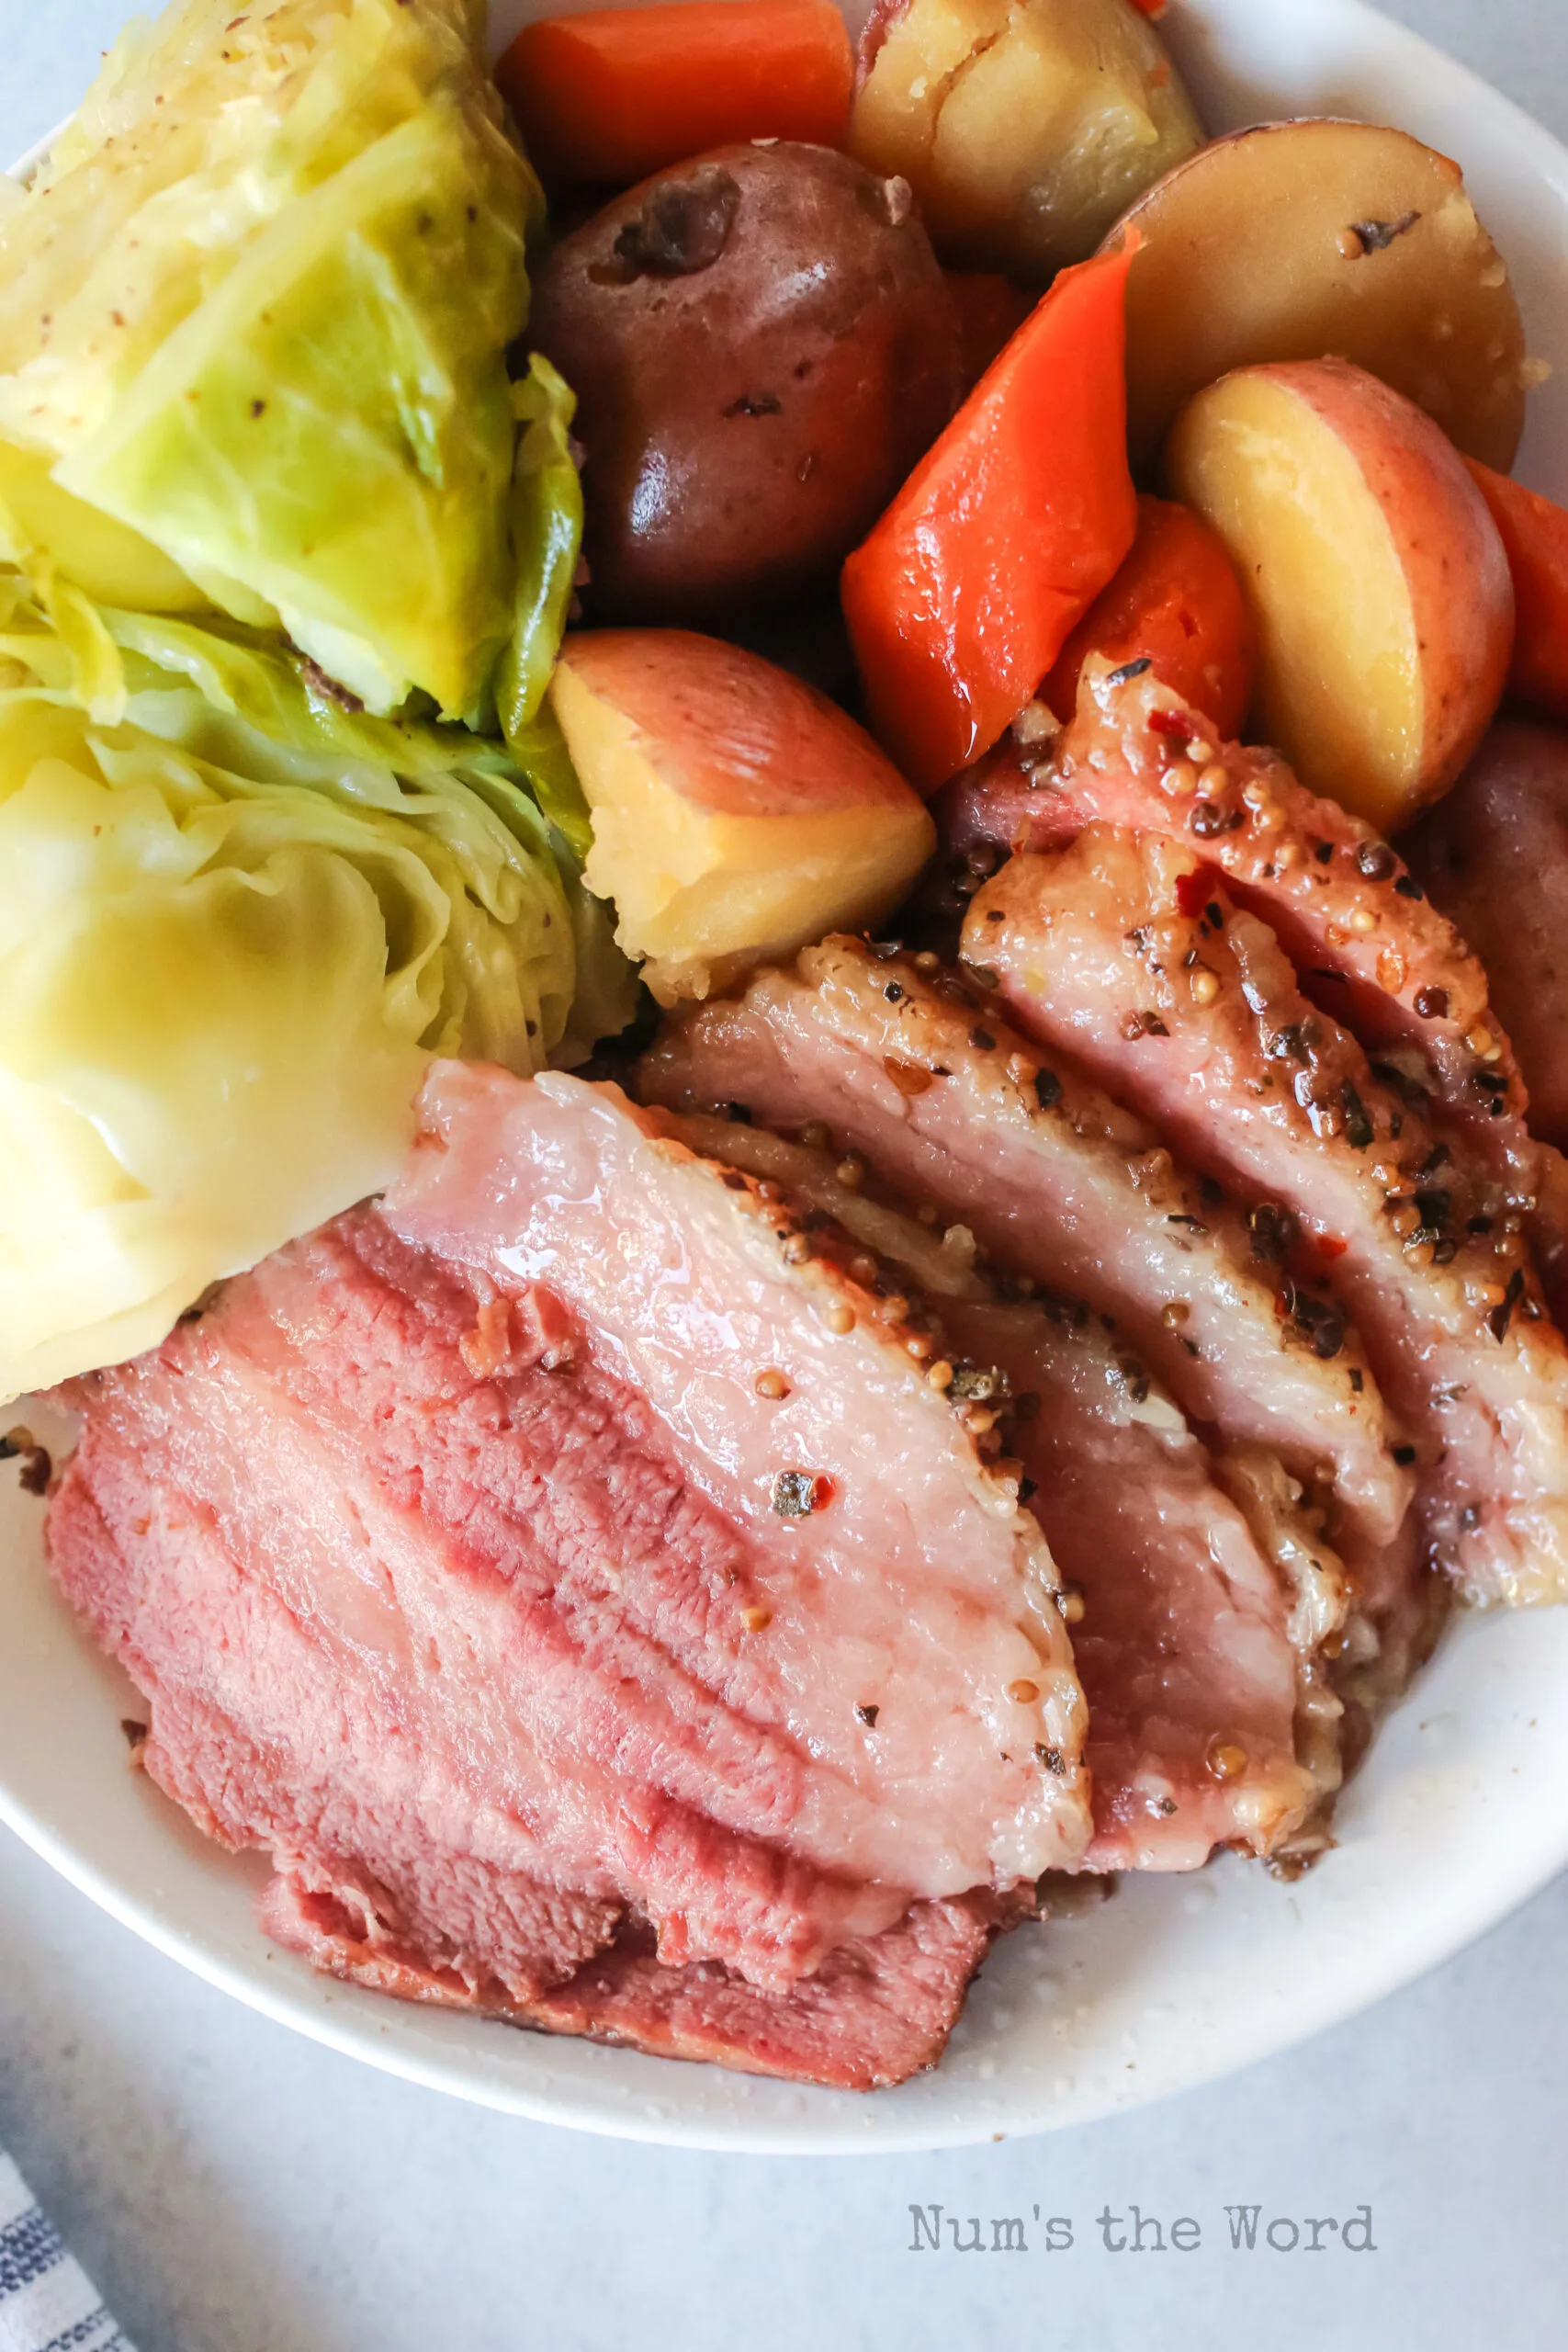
(1202, 1602)
(1369, 946)
(565, 1537)
(1054, 1180)
(1124, 950)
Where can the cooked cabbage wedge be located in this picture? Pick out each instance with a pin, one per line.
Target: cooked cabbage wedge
(236, 919)
(256, 309)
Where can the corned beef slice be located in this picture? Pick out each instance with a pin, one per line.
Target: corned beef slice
(1185, 1006)
(449, 1550)
(956, 1109)
(1202, 1623)
(917, 1567)
(1367, 943)
(1207, 1725)
(876, 2011)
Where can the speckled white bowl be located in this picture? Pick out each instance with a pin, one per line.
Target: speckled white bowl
(1459, 1816)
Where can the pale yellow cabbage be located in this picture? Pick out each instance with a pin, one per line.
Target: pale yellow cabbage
(256, 309)
(235, 922)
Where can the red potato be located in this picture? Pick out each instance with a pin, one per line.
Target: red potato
(1177, 601)
(738, 814)
(1376, 577)
(1494, 858)
(1297, 240)
(762, 345)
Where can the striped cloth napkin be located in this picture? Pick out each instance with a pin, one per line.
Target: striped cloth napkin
(47, 2302)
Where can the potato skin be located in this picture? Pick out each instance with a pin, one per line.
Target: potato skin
(738, 814)
(1377, 579)
(1024, 127)
(1494, 858)
(1300, 239)
(745, 420)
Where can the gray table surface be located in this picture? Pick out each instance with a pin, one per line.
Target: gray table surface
(236, 2189)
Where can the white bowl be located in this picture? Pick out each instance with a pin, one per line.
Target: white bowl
(1457, 1818)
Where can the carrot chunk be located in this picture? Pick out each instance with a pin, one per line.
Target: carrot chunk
(1535, 536)
(617, 93)
(1178, 601)
(961, 598)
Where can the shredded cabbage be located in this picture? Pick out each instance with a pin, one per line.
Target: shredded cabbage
(256, 309)
(236, 919)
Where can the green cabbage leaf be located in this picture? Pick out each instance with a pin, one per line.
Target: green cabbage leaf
(237, 919)
(546, 531)
(255, 309)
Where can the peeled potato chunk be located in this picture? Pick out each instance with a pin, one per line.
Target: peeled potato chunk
(738, 814)
(1377, 579)
(1304, 238)
(1024, 127)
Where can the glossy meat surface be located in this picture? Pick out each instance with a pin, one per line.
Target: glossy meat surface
(1369, 946)
(1123, 951)
(947, 1100)
(1206, 1595)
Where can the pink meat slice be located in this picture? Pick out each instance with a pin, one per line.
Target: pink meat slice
(1054, 1180)
(1186, 1006)
(1198, 1669)
(1204, 1617)
(1367, 944)
(917, 1584)
(268, 1728)
(878, 2009)
(361, 1659)
(420, 1581)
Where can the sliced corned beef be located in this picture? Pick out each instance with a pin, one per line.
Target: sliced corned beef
(1185, 1006)
(947, 1101)
(1204, 1596)
(877, 2010)
(569, 1545)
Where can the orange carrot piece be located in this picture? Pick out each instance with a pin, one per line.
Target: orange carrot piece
(989, 310)
(1178, 601)
(961, 598)
(618, 92)
(1535, 534)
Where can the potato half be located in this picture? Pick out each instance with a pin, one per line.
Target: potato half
(1376, 573)
(737, 813)
(1024, 127)
(1307, 239)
